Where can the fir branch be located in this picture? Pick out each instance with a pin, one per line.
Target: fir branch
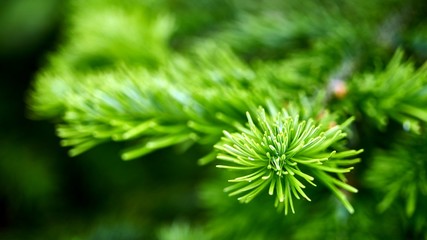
(152, 109)
(281, 153)
(400, 174)
(398, 92)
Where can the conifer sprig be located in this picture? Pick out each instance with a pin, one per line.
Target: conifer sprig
(398, 92)
(282, 153)
(154, 109)
(400, 174)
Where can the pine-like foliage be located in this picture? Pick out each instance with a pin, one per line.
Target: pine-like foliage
(287, 98)
(278, 151)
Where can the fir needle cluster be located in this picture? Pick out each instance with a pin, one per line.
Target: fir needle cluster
(282, 153)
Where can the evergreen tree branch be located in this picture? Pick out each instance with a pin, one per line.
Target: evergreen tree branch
(400, 174)
(155, 109)
(280, 152)
(398, 92)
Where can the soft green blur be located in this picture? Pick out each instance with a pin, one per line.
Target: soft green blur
(46, 194)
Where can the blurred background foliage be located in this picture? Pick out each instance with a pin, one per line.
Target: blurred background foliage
(45, 194)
